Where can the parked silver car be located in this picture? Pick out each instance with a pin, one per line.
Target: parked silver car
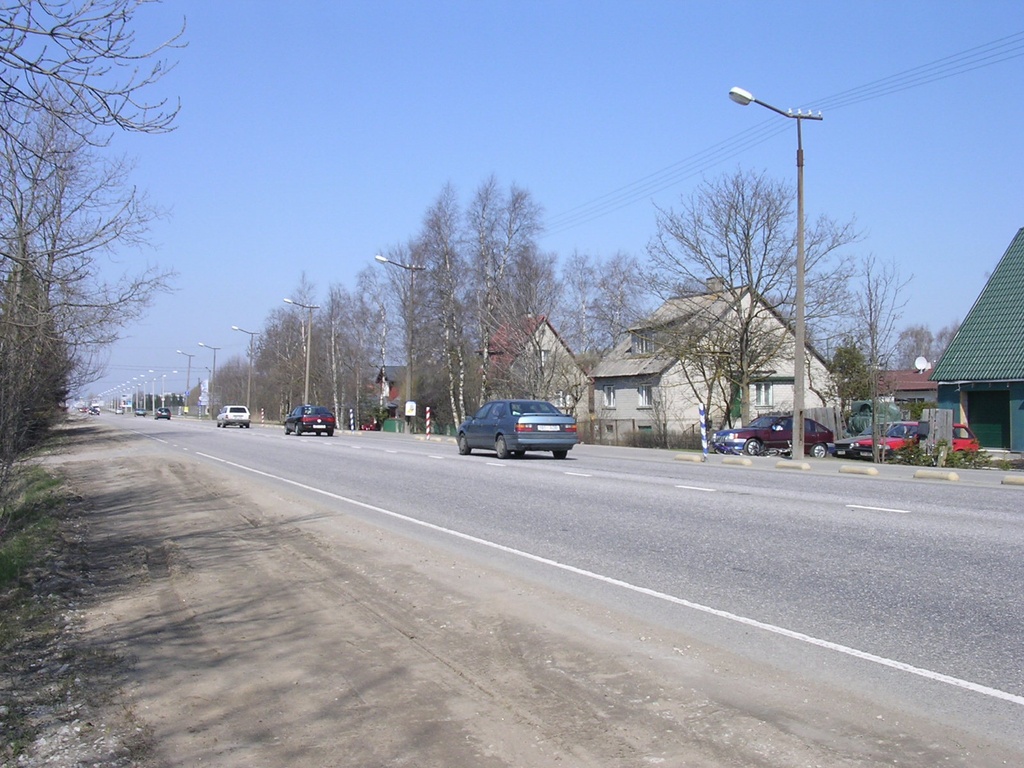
(510, 428)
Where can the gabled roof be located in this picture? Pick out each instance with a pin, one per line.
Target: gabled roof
(710, 307)
(907, 381)
(623, 361)
(990, 343)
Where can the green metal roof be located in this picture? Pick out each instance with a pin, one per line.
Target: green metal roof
(990, 343)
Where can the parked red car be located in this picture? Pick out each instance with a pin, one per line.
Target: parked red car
(902, 433)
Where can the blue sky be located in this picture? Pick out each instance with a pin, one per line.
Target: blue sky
(315, 134)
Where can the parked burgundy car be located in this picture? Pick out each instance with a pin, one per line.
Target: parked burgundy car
(773, 432)
(310, 418)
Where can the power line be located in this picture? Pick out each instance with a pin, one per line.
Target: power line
(979, 57)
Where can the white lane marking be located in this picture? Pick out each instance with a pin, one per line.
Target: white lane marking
(928, 674)
(696, 488)
(497, 464)
(879, 509)
(429, 456)
(578, 474)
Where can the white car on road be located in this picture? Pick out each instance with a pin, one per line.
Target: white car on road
(233, 415)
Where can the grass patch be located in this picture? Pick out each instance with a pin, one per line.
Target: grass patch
(27, 520)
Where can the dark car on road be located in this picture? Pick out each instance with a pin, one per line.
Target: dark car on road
(310, 418)
(162, 413)
(510, 428)
(768, 433)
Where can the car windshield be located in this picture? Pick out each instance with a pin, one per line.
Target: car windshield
(521, 408)
(762, 422)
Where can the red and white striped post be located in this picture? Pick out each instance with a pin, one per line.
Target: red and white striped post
(428, 422)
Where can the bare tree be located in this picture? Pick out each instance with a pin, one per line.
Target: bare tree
(502, 228)
(80, 61)
(736, 236)
(440, 245)
(624, 294)
(62, 210)
(919, 341)
(877, 308)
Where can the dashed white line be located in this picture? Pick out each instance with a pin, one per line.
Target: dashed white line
(879, 509)
(696, 488)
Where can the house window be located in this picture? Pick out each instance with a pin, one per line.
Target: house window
(642, 345)
(609, 396)
(644, 396)
(763, 393)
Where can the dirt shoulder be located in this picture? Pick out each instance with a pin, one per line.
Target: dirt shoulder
(219, 633)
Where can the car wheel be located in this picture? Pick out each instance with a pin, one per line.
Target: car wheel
(501, 447)
(246, 426)
(330, 433)
(752, 447)
(819, 450)
(559, 454)
(286, 430)
(298, 431)
(464, 449)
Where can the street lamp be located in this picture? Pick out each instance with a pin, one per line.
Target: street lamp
(248, 387)
(188, 377)
(213, 373)
(412, 269)
(309, 342)
(744, 98)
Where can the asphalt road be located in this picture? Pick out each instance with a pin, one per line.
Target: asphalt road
(904, 590)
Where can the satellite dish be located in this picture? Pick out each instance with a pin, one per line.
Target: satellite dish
(922, 364)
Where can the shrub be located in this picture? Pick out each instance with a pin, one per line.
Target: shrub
(915, 455)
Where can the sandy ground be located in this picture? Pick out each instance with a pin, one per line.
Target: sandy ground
(238, 639)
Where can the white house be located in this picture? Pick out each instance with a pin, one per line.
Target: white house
(688, 353)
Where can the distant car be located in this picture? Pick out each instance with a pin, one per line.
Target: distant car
(140, 411)
(310, 418)
(773, 433)
(510, 428)
(163, 413)
(94, 411)
(233, 416)
(119, 411)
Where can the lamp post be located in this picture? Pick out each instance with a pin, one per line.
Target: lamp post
(248, 386)
(309, 343)
(213, 373)
(188, 376)
(744, 98)
(412, 269)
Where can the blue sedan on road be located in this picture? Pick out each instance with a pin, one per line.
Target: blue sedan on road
(510, 428)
